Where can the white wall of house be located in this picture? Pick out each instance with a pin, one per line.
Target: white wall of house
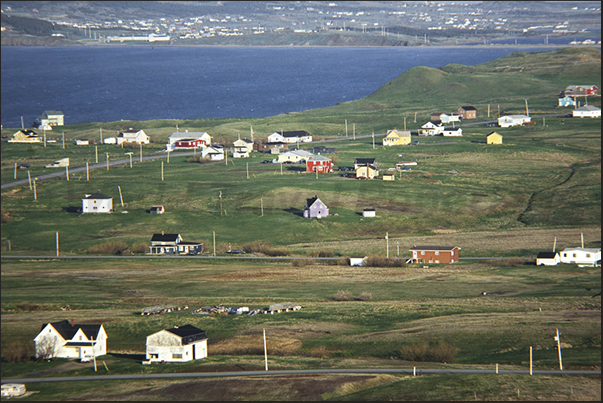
(580, 255)
(167, 347)
(97, 205)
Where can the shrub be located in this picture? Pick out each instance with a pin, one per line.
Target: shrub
(110, 248)
(198, 159)
(343, 296)
(141, 247)
(18, 351)
(365, 296)
(323, 253)
(380, 261)
(302, 262)
(424, 351)
(264, 248)
(27, 307)
(5, 215)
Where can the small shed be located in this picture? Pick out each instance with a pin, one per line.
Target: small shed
(97, 203)
(388, 176)
(157, 210)
(547, 259)
(494, 138)
(357, 261)
(368, 212)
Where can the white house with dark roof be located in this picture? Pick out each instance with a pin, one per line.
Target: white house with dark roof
(172, 244)
(97, 203)
(315, 208)
(547, 259)
(242, 148)
(290, 137)
(431, 129)
(52, 118)
(213, 153)
(178, 344)
(66, 339)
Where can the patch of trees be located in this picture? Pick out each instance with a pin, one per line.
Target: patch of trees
(29, 26)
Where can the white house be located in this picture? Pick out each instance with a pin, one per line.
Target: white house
(82, 142)
(97, 203)
(171, 244)
(242, 148)
(513, 120)
(453, 132)
(133, 136)
(547, 259)
(213, 153)
(66, 339)
(291, 137)
(52, 118)
(179, 344)
(431, 129)
(445, 119)
(295, 156)
(587, 111)
(188, 139)
(357, 261)
(588, 256)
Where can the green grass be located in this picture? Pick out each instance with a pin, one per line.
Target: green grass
(510, 200)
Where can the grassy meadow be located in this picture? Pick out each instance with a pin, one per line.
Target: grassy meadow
(541, 187)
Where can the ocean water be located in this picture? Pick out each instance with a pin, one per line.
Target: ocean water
(104, 84)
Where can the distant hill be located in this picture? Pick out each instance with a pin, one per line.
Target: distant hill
(516, 76)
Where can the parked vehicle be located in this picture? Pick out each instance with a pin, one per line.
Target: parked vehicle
(236, 251)
(414, 143)
(23, 166)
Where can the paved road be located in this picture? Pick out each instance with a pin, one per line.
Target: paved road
(240, 257)
(295, 372)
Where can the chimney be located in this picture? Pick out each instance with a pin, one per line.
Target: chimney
(162, 233)
(72, 322)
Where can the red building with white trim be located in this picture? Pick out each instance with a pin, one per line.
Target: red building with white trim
(319, 163)
(434, 254)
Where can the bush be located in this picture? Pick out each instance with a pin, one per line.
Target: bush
(110, 248)
(365, 296)
(27, 307)
(264, 248)
(424, 351)
(323, 253)
(18, 351)
(198, 159)
(379, 261)
(343, 296)
(302, 262)
(141, 247)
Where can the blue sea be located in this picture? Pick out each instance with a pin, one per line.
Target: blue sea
(104, 84)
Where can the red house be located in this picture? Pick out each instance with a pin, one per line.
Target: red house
(319, 163)
(434, 254)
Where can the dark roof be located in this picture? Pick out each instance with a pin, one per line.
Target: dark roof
(468, 108)
(67, 331)
(432, 247)
(188, 333)
(97, 195)
(295, 133)
(364, 161)
(546, 255)
(164, 237)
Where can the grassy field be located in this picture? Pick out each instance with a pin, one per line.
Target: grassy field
(541, 187)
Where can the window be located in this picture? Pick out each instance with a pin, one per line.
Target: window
(177, 356)
(588, 255)
(422, 252)
(437, 252)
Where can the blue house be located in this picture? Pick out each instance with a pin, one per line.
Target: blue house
(567, 101)
(315, 208)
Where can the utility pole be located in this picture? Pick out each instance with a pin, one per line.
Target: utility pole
(130, 154)
(558, 340)
(373, 139)
(67, 172)
(87, 172)
(346, 128)
(29, 179)
(214, 236)
(265, 351)
(15, 176)
(57, 243)
(247, 170)
(220, 203)
(63, 140)
(262, 206)
(96, 153)
(140, 152)
(404, 123)
(162, 171)
(354, 131)
(121, 199)
(387, 243)
(107, 161)
(34, 189)
(527, 110)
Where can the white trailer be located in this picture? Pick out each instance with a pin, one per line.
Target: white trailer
(63, 162)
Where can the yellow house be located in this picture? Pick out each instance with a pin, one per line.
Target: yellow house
(494, 138)
(367, 172)
(25, 136)
(396, 138)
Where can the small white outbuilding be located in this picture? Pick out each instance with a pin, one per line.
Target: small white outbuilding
(97, 203)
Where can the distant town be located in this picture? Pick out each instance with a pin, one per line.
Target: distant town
(412, 21)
